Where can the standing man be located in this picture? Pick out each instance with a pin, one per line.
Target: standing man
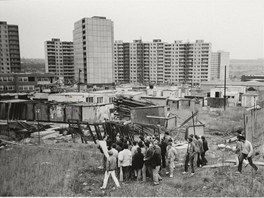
(172, 156)
(189, 156)
(148, 157)
(156, 163)
(205, 148)
(199, 146)
(247, 152)
(125, 159)
(163, 147)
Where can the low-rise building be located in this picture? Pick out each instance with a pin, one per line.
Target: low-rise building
(249, 100)
(92, 97)
(25, 82)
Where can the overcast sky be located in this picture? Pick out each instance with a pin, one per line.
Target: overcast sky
(236, 26)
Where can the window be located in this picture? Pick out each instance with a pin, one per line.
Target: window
(100, 100)
(111, 99)
(10, 87)
(31, 79)
(31, 87)
(89, 99)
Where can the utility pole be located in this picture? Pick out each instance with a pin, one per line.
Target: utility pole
(79, 80)
(37, 112)
(225, 90)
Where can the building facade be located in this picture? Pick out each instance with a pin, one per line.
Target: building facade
(9, 48)
(121, 62)
(164, 63)
(25, 82)
(93, 40)
(59, 59)
(219, 60)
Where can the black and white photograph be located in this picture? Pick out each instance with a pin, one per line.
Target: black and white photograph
(131, 98)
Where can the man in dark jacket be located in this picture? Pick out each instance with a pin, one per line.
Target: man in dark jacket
(163, 147)
(156, 163)
(148, 157)
(138, 161)
(205, 148)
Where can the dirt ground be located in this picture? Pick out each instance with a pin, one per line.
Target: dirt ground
(220, 181)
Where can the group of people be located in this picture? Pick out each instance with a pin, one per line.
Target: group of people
(144, 158)
(196, 149)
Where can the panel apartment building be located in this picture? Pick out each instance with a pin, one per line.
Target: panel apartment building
(162, 63)
(9, 48)
(93, 40)
(219, 60)
(59, 59)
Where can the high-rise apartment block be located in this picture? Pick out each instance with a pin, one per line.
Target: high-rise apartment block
(219, 60)
(9, 48)
(59, 58)
(160, 62)
(93, 40)
(122, 62)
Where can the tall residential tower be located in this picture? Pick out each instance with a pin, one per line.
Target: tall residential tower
(219, 60)
(59, 59)
(9, 48)
(93, 40)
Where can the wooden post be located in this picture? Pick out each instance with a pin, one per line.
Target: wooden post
(225, 90)
(193, 124)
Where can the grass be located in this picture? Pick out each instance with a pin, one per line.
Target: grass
(33, 171)
(218, 120)
(42, 171)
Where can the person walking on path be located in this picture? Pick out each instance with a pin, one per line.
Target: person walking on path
(247, 152)
(189, 156)
(205, 148)
(110, 170)
(238, 150)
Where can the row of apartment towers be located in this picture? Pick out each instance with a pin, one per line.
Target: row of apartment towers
(95, 58)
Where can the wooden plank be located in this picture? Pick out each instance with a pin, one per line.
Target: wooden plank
(232, 139)
(160, 117)
(89, 128)
(218, 165)
(188, 119)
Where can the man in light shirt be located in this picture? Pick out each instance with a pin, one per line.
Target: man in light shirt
(247, 152)
(125, 160)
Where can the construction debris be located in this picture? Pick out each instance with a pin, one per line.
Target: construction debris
(123, 105)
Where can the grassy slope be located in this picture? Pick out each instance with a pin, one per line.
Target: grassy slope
(33, 171)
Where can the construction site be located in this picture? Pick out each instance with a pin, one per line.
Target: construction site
(50, 148)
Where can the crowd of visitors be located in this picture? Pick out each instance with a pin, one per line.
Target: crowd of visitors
(145, 158)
